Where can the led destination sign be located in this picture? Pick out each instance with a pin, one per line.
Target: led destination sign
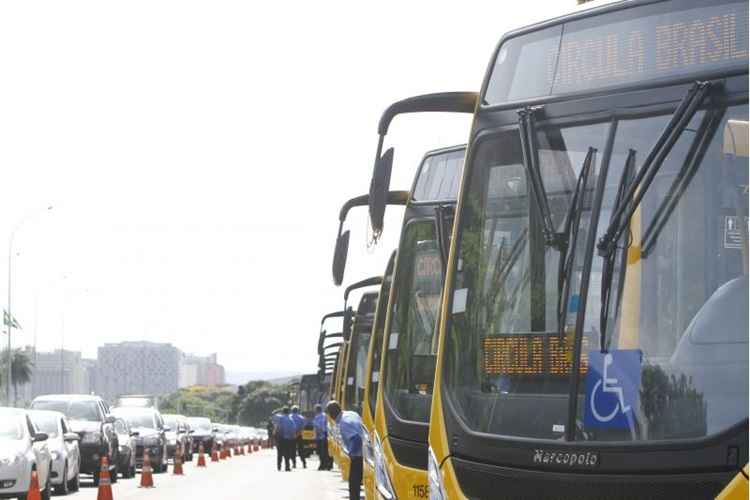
(666, 39)
(530, 354)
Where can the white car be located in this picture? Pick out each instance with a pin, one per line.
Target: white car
(63, 447)
(23, 449)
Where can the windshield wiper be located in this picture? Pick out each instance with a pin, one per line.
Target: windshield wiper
(681, 181)
(609, 260)
(527, 130)
(623, 212)
(572, 225)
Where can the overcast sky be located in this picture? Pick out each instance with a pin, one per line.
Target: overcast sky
(196, 155)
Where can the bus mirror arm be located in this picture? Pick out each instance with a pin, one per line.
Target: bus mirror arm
(441, 102)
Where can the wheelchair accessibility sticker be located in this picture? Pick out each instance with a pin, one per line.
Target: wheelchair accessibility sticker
(612, 384)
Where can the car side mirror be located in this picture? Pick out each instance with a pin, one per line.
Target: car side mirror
(166, 428)
(40, 436)
(191, 432)
(340, 253)
(109, 419)
(379, 185)
(135, 434)
(69, 437)
(215, 429)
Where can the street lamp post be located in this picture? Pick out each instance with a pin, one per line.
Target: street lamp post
(9, 374)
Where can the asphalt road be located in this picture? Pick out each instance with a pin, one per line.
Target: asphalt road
(243, 477)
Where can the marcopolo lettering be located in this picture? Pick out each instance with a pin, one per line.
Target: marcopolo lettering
(583, 459)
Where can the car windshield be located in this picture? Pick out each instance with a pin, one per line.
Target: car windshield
(137, 419)
(46, 423)
(202, 424)
(74, 410)
(11, 427)
(171, 422)
(411, 349)
(679, 288)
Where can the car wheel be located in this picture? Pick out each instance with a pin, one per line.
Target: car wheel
(64, 487)
(75, 483)
(47, 492)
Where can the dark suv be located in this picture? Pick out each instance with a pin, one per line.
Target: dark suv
(151, 429)
(90, 418)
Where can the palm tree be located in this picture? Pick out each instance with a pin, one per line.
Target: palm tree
(21, 369)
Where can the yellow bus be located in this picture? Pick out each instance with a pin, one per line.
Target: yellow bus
(407, 357)
(593, 341)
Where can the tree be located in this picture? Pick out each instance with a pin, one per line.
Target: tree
(21, 369)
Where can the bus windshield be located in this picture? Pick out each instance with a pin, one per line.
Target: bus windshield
(678, 289)
(411, 349)
(378, 331)
(355, 383)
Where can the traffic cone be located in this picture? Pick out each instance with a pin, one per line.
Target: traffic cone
(105, 486)
(34, 493)
(214, 453)
(147, 478)
(255, 448)
(177, 471)
(201, 457)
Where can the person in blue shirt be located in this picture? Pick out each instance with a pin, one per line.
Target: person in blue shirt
(352, 435)
(286, 432)
(299, 425)
(320, 423)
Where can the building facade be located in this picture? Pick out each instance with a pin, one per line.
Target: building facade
(201, 370)
(56, 372)
(137, 368)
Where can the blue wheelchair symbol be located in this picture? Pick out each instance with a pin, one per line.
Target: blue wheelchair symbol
(612, 386)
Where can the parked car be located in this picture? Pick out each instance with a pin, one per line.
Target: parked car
(23, 449)
(178, 434)
(127, 441)
(90, 418)
(202, 433)
(63, 447)
(149, 425)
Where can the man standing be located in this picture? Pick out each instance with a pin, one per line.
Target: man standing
(352, 434)
(320, 422)
(299, 426)
(285, 433)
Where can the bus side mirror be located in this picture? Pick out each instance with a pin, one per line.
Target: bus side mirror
(379, 185)
(339, 257)
(347, 330)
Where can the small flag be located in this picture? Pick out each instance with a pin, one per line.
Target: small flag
(9, 321)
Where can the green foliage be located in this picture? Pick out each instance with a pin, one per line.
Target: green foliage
(251, 405)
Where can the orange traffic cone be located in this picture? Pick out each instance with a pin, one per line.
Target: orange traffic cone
(201, 457)
(177, 471)
(214, 453)
(34, 493)
(105, 485)
(255, 448)
(147, 478)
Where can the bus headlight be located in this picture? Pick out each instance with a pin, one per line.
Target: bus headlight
(435, 479)
(382, 481)
(367, 449)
